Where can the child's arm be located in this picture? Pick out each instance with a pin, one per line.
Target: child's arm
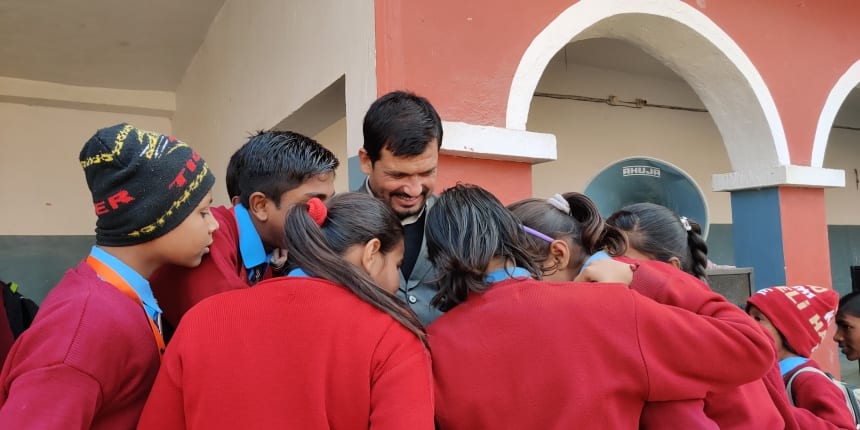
(54, 397)
(164, 408)
(689, 355)
(401, 394)
(819, 403)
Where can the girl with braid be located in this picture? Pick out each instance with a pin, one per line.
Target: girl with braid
(579, 225)
(328, 346)
(654, 232)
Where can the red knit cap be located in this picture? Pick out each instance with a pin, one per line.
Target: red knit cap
(801, 313)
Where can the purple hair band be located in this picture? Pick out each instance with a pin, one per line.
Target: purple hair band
(537, 234)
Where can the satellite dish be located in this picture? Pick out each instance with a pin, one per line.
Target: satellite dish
(644, 179)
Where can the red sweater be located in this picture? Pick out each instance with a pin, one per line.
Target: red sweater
(297, 353)
(820, 403)
(749, 406)
(87, 362)
(177, 288)
(530, 354)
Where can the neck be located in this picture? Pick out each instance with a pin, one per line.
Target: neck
(135, 257)
(498, 263)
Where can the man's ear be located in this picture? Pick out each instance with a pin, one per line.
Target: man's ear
(675, 261)
(364, 160)
(370, 254)
(234, 200)
(258, 203)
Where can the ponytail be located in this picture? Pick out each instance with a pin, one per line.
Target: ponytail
(352, 219)
(572, 215)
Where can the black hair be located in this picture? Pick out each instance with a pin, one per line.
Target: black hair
(403, 123)
(466, 229)
(582, 224)
(849, 304)
(657, 230)
(274, 162)
(352, 219)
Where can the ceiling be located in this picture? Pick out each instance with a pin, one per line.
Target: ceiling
(147, 45)
(141, 45)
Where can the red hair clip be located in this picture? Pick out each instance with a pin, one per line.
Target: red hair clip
(317, 210)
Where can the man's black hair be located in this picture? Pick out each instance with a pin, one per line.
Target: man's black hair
(403, 123)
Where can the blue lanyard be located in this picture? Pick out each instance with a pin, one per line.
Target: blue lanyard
(299, 273)
(502, 274)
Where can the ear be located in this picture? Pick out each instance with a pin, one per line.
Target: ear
(369, 255)
(258, 203)
(559, 253)
(366, 163)
(234, 200)
(675, 261)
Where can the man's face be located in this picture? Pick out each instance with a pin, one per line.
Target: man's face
(403, 183)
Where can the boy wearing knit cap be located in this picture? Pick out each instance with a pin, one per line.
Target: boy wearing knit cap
(797, 318)
(265, 177)
(91, 355)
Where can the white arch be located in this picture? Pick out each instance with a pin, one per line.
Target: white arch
(689, 43)
(849, 80)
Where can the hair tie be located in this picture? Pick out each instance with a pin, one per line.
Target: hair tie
(686, 223)
(558, 202)
(317, 210)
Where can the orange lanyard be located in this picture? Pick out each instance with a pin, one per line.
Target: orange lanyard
(111, 277)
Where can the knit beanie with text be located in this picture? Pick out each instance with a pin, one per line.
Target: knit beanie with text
(143, 184)
(801, 313)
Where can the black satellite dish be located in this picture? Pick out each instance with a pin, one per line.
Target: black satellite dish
(644, 179)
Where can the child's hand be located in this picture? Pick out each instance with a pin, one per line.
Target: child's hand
(279, 259)
(607, 270)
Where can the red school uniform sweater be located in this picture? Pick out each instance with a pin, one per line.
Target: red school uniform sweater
(749, 406)
(291, 353)
(87, 362)
(177, 288)
(819, 403)
(531, 354)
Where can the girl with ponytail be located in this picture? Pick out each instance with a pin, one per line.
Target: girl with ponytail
(328, 346)
(516, 352)
(566, 232)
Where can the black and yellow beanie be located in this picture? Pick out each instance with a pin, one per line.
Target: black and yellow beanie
(144, 184)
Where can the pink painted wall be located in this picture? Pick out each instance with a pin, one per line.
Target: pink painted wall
(463, 55)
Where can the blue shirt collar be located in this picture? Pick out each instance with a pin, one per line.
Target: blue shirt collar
(299, 273)
(250, 245)
(502, 274)
(138, 283)
(786, 364)
(599, 255)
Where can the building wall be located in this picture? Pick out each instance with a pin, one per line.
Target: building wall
(262, 60)
(41, 180)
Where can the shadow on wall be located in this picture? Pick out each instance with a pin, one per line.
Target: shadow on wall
(36, 263)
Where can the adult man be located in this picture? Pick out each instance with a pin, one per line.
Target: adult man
(402, 136)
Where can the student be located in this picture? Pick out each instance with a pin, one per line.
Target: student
(270, 173)
(566, 232)
(329, 346)
(91, 355)
(848, 325)
(402, 137)
(654, 232)
(797, 318)
(515, 352)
